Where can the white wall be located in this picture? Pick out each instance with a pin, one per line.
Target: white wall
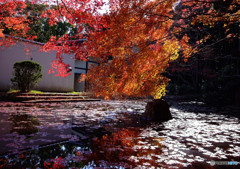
(49, 82)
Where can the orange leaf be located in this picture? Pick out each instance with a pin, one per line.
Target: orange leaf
(1, 33)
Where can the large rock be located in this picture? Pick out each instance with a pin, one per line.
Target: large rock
(157, 110)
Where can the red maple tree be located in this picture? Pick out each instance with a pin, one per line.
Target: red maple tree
(139, 36)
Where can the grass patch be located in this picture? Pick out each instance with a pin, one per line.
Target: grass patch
(31, 91)
(35, 92)
(13, 91)
(79, 93)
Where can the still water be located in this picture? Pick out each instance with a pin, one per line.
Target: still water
(111, 134)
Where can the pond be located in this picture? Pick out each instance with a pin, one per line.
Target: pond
(112, 134)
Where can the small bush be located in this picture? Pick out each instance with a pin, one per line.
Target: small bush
(26, 75)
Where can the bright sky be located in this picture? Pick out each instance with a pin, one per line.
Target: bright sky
(105, 7)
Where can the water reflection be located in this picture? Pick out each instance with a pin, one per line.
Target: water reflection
(45, 157)
(126, 148)
(113, 135)
(24, 124)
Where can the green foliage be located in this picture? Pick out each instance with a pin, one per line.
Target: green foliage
(40, 27)
(26, 75)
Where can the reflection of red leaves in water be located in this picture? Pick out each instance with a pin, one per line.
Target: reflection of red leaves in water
(3, 163)
(113, 148)
(21, 156)
(54, 164)
(120, 146)
(78, 153)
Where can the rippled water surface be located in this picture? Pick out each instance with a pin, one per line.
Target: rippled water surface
(112, 134)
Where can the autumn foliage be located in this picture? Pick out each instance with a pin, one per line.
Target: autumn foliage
(142, 38)
(138, 41)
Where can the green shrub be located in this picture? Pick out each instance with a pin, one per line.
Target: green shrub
(26, 75)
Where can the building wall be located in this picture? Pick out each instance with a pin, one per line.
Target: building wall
(49, 82)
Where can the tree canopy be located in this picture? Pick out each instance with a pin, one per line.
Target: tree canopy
(142, 37)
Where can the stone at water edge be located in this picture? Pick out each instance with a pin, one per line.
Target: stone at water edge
(157, 110)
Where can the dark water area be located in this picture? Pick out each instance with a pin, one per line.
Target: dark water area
(111, 134)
